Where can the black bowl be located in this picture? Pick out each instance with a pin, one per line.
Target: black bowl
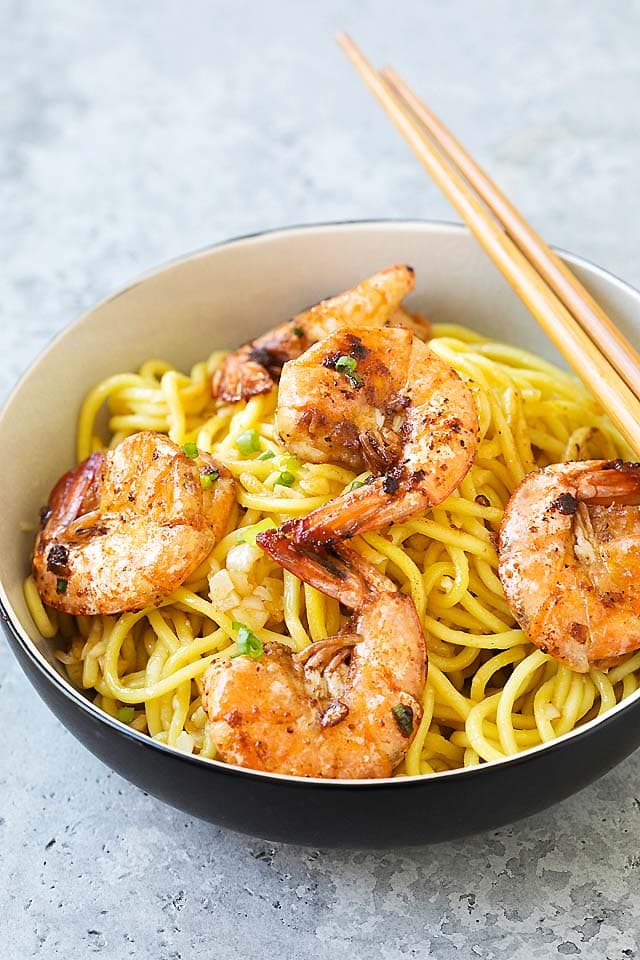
(183, 311)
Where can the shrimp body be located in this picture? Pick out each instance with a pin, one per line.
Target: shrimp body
(310, 714)
(255, 367)
(570, 559)
(127, 527)
(398, 410)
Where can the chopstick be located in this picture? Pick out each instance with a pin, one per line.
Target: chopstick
(551, 268)
(590, 360)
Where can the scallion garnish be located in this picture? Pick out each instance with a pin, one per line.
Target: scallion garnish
(125, 714)
(248, 442)
(207, 480)
(299, 332)
(61, 585)
(267, 455)
(286, 479)
(248, 644)
(249, 534)
(190, 450)
(355, 484)
(403, 716)
(347, 365)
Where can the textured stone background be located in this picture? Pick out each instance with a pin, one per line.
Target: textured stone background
(130, 133)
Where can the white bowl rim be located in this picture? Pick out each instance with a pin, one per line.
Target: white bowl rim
(144, 740)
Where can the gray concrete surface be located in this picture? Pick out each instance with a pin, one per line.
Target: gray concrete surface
(132, 132)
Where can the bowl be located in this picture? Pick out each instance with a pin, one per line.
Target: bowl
(217, 298)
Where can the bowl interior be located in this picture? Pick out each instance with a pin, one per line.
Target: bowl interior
(220, 297)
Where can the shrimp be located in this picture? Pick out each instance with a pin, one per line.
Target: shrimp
(255, 367)
(309, 714)
(128, 526)
(569, 560)
(377, 399)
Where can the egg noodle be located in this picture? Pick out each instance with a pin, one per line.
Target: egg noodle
(489, 693)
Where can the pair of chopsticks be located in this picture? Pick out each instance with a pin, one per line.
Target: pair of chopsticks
(598, 352)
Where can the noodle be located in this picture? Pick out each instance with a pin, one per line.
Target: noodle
(489, 693)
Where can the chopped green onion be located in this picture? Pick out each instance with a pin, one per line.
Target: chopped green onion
(249, 534)
(248, 644)
(207, 480)
(299, 332)
(365, 478)
(403, 715)
(190, 450)
(346, 365)
(267, 455)
(61, 585)
(125, 714)
(286, 479)
(291, 464)
(248, 442)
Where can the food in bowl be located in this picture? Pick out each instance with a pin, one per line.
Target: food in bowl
(396, 522)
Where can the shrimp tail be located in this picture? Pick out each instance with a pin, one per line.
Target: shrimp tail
(75, 493)
(239, 376)
(255, 367)
(387, 499)
(336, 571)
(615, 482)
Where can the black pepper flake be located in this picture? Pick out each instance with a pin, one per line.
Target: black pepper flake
(391, 482)
(403, 716)
(578, 632)
(334, 714)
(61, 585)
(358, 349)
(621, 464)
(58, 560)
(331, 359)
(262, 356)
(565, 504)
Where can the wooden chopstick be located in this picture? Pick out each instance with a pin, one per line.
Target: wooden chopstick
(592, 366)
(589, 314)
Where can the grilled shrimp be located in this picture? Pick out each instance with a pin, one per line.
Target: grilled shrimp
(255, 367)
(377, 399)
(570, 560)
(128, 526)
(312, 714)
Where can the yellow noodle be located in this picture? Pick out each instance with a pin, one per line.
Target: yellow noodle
(506, 701)
(489, 692)
(44, 618)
